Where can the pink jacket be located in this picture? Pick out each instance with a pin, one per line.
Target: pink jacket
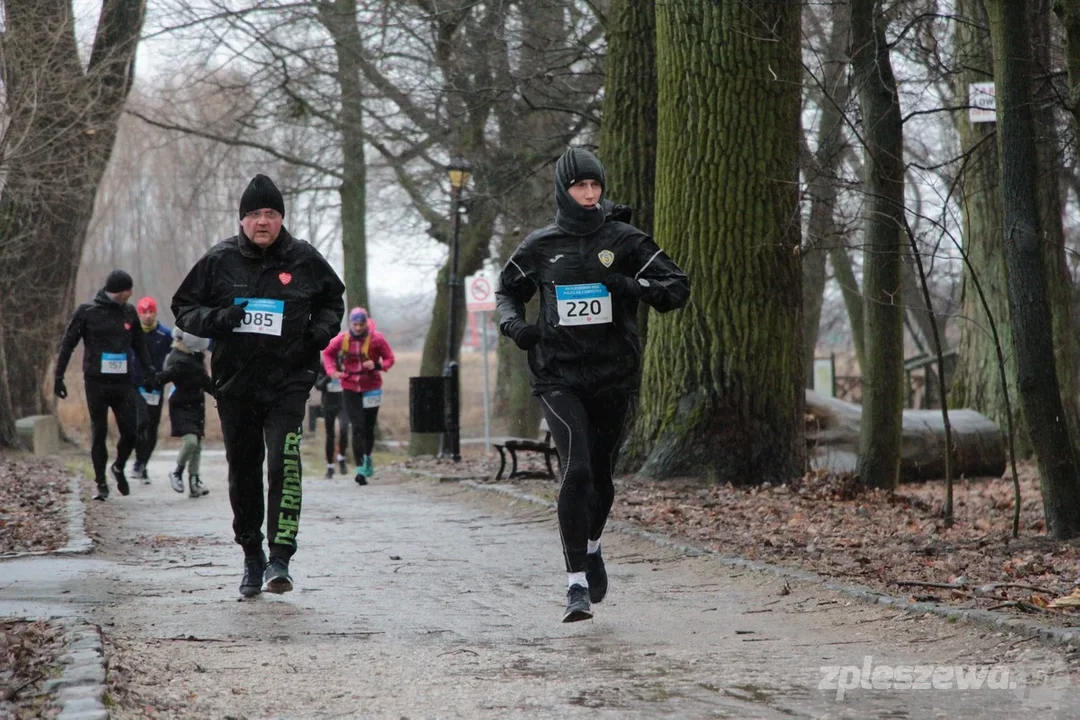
(354, 378)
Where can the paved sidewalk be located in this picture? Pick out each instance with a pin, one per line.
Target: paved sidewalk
(417, 599)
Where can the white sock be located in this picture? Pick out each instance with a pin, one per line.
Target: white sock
(577, 578)
(329, 466)
(340, 457)
(593, 547)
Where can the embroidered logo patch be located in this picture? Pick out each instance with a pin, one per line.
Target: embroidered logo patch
(606, 257)
(285, 278)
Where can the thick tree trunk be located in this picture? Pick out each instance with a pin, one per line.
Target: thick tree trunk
(1032, 325)
(976, 383)
(1058, 280)
(340, 20)
(722, 390)
(628, 129)
(65, 118)
(822, 235)
(883, 374)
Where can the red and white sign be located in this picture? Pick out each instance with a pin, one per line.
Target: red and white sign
(480, 293)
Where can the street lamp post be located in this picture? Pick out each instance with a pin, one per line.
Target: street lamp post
(459, 171)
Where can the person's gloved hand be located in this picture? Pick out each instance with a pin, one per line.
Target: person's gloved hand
(59, 388)
(620, 213)
(232, 317)
(314, 341)
(528, 337)
(622, 285)
(152, 383)
(318, 338)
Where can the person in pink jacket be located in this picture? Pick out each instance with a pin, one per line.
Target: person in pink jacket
(358, 357)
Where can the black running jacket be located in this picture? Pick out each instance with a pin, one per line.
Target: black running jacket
(579, 349)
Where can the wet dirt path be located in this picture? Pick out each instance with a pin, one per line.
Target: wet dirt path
(416, 599)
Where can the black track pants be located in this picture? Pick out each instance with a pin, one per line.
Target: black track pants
(336, 442)
(588, 434)
(363, 422)
(120, 397)
(253, 430)
(149, 421)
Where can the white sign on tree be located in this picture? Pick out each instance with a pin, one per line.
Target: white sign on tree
(982, 102)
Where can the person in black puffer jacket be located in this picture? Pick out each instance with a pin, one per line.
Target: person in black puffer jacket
(271, 303)
(185, 368)
(591, 270)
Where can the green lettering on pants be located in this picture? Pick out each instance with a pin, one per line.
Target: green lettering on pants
(287, 527)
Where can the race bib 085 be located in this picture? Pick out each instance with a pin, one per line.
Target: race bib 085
(588, 304)
(262, 316)
(113, 364)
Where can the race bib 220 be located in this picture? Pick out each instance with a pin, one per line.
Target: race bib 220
(588, 304)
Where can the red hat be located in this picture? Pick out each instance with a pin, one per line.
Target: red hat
(146, 305)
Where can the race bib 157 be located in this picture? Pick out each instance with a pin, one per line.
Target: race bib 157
(262, 316)
(113, 364)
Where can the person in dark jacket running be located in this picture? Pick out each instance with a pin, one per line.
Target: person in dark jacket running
(109, 329)
(333, 412)
(271, 303)
(185, 368)
(591, 271)
(158, 341)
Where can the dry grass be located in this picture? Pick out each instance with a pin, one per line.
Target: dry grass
(393, 417)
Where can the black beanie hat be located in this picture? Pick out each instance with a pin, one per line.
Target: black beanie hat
(261, 193)
(118, 281)
(577, 164)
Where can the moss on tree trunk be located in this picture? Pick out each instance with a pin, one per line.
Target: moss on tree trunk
(722, 391)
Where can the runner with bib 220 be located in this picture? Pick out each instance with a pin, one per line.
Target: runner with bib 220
(591, 271)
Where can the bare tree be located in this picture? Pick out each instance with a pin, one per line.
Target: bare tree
(58, 131)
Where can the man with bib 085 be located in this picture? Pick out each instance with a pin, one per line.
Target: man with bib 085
(271, 303)
(591, 270)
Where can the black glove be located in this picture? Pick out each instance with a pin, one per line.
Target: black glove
(152, 383)
(59, 388)
(622, 285)
(232, 317)
(313, 342)
(318, 338)
(528, 337)
(620, 213)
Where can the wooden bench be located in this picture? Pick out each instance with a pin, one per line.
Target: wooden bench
(513, 446)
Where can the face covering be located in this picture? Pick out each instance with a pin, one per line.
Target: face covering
(572, 218)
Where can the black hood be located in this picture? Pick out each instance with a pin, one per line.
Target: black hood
(574, 166)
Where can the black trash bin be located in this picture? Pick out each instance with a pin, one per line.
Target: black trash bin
(427, 410)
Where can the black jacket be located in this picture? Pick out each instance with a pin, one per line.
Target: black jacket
(586, 358)
(187, 404)
(158, 344)
(108, 327)
(252, 366)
